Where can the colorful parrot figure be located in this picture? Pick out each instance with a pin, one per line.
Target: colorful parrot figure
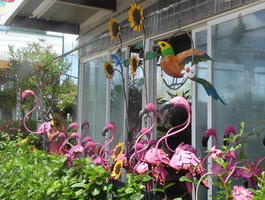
(182, 66)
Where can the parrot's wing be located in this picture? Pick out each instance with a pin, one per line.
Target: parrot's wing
(199, 56)
(211, 91)
(117, 59)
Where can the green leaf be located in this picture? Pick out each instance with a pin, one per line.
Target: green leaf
(170, 185)
(79, 192)
(126, 62)
(129, 190)
(118, 88)
(221, 162)
(150, 55)
(79, 185)
(139, 45)
(185, 179)
(99, 181)
(157, 190)
(110, 186)
(95, 192)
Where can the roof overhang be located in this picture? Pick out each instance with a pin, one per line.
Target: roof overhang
(56, 15)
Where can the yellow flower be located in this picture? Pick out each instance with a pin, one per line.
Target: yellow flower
(114, 29)
(136, 17)
(117, 150)
(108, 69)
(134, 64)
(117, 169)
(25, 140)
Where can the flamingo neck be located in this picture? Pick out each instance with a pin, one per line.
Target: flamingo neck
(29, 113)
(174, 133)
(102, 150)
(168, 132)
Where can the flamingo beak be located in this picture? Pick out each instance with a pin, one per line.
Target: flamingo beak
(166, 106)
(104, 132)
(205, 141)
(142, 112)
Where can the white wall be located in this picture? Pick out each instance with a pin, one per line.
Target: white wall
(21, 39)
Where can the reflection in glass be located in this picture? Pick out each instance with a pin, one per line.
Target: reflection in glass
(94, 97)
(239, 66)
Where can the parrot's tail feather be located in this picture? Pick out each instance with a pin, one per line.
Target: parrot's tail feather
(210, 89)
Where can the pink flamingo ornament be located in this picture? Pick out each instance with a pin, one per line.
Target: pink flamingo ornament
(45, 127)
(101, 158)
(184, 157)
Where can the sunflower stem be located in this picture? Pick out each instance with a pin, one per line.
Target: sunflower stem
(124, 91)
(144, 69)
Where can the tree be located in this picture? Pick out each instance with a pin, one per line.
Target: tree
(35, 67)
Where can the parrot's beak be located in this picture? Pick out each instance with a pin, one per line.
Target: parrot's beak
(156, 48)
(166, 106)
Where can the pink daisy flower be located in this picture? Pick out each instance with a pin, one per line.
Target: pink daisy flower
(241, 193)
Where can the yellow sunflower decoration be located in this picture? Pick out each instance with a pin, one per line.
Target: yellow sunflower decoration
(118, 150)
(134, 64)
(108, 69)
(117, 170)
(114, 29)
(136, 17)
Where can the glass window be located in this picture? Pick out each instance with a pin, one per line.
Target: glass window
(117, 104)
(238, 69)
(94, 97)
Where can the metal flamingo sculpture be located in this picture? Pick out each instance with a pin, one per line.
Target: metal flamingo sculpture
(45, 127)
(101, 158)
(184, 157)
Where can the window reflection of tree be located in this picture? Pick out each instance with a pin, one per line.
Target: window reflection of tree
(135, 91)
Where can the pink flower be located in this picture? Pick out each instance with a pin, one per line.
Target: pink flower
(215, 152)
(241, 193)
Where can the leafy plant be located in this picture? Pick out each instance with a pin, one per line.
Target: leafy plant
(133, 187)
(260, 193)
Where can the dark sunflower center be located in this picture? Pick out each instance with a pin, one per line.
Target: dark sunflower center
(134, 64)
(137, 16)
(109, 69)
(115, 29)
(117, 151)
(118, 169)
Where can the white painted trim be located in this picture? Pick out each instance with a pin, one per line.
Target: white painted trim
(108, 96)
(209, 107)
(42, 8)
(80, 94)
(194, 100)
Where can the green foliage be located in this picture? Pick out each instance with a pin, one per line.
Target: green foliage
(133, 187)
(260, 193)
(34, 174)
(139, 45)
(34, 67)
